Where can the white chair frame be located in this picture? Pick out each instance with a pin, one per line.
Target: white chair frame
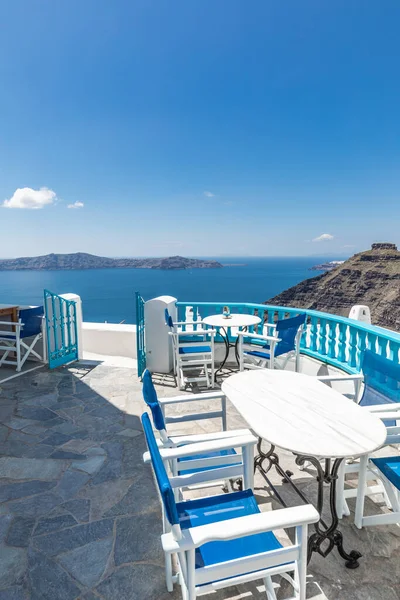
(16, 344)
(179, 441)
(272, 340)
(368, 472)
(195, 359)
(182, 544)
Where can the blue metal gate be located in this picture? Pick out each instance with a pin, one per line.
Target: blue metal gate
(61, 330)
(140, 344)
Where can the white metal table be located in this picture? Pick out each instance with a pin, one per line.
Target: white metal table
(298, 413)
(237, 320)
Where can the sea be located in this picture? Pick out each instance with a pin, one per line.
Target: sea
(108, 295)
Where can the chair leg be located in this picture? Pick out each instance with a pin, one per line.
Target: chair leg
(340, 490)
(168, 572)
(362, 480)
(269, 588)
(18, 357)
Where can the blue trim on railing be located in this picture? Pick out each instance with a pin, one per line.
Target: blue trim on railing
(329, 338)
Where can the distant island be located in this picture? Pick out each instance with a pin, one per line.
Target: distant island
(371, 277)
(82, 260)
(327, 266)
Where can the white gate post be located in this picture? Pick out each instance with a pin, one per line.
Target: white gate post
(159, 352)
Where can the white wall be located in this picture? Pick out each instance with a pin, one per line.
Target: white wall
(109, 339)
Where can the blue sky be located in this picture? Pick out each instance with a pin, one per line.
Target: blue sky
(199, 128)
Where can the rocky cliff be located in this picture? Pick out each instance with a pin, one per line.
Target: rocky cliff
(81, 260)
(371, 278)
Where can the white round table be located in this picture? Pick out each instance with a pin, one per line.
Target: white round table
(224, 323)
(298, 413)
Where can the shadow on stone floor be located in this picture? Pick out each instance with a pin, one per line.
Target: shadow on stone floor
(79, 513)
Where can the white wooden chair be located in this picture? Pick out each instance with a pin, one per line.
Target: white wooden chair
(381, 396)
(227, 460)
(222, 541)
(262, 350)
(12, 336)
(193, 350)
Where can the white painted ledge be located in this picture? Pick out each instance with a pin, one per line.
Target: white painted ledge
(109, 339)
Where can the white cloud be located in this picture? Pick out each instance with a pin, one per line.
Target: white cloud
(29, 198)
(76, 204)
(324, 237)
(209, 194)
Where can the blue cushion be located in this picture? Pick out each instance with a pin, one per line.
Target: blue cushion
(150, 397)
(390, 467)
(164, 485)
(12, 336)
(258, 354)
(195, 350)
(183, 461)
(213, 509)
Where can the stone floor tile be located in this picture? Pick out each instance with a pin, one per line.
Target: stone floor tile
(56, 439)
(14, 593)
(71, 483)
(129, 531)
(35, 506)
(87, 563)
(130, 433)
(13, 491)
(19, 532)
(19, 423)
(5, 521)
(4, 431)
(13, 565)
(140, 498)
(74, 537)
(67, 455)
(48, 581)
(79, 509)
(51, 524)
(105, 495)
(136, 582)
(30, 468)
(37, 413)
(91, 465)
(79, 446)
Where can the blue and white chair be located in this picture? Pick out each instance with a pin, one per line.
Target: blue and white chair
(193, 350)
(380, 396)
(262, 350)
(14, 335)
(222, 541)
(227, 459)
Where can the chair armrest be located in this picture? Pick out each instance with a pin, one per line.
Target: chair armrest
(358, 377)
(191, 398)
(204, 447)
(258, 336)
(178, 440)
(241, 527)
(203, 332)
(383, 408)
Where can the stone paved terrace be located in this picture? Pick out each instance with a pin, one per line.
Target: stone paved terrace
(79, 515)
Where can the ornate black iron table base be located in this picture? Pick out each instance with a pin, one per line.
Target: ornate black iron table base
(326, 536)
(228, 346)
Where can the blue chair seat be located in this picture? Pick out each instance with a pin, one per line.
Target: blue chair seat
(195, 350)
(258, 354)
(213, 509)
(390, 467)
(183, 461)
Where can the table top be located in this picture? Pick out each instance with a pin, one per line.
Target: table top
(298, 413)
(235, 320)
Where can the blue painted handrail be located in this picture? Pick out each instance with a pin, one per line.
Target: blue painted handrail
(332, 339)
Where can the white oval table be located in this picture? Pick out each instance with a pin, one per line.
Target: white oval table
(298, 413)
(223, 324)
